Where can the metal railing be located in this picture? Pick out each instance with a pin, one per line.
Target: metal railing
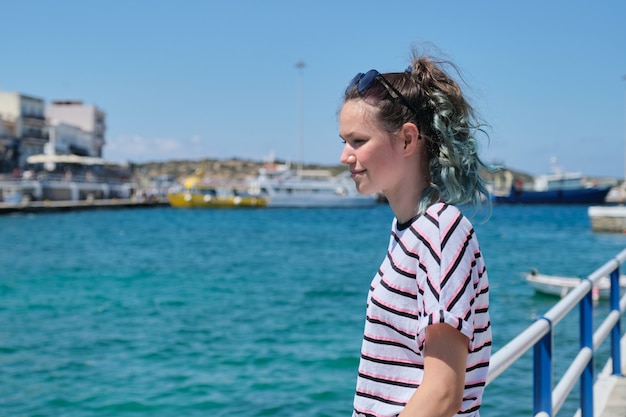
(547, 400)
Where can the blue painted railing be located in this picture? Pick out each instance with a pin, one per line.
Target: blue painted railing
(547, 399)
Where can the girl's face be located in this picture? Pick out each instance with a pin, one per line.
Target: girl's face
(372, 154)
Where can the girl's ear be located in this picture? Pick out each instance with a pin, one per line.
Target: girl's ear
(410, 134)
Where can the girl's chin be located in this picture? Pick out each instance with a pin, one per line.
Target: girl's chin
(362, 188)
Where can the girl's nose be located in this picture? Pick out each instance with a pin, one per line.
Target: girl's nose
(347, 156)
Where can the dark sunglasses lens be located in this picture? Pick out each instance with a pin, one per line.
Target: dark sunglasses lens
(366, 81)
(354, 82)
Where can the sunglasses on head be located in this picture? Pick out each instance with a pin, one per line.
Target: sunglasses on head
(363, 82)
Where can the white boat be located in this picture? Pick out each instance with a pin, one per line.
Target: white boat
(286, 187)
(560, 286)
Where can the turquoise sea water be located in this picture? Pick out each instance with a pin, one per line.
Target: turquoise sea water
(165, 312)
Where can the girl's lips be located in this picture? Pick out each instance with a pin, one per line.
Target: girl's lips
(357, 172)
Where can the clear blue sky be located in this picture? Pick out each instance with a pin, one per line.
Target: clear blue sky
(217, 79)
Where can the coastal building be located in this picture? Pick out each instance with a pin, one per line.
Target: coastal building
(67, 139)
(86, 117)
(23, 120)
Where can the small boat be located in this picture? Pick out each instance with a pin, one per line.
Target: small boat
(560, 286)
(556, 188)
(286, 187)
(195, 194)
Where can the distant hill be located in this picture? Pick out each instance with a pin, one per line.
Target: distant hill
(242, 169)
(216, 169)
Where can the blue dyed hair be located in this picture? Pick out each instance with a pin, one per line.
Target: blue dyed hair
(446, 120)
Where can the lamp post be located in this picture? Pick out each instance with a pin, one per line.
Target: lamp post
(300, 66)
(624, 182)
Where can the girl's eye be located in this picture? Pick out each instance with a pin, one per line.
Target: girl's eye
(354, 143)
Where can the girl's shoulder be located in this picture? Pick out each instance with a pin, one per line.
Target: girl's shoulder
(446, 217)
(441, 210)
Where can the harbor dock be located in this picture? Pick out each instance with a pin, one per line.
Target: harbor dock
(56, 206)
(608, 218)
(609, 390)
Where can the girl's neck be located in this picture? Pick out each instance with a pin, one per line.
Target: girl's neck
(405, 195)
(404, 201)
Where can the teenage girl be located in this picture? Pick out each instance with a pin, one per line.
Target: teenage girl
(427, 338)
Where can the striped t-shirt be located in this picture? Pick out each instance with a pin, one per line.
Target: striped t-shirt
(433, 273)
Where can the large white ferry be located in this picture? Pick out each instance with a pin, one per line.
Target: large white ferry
(283, 186)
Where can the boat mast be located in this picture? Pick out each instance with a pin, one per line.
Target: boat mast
(300, 66)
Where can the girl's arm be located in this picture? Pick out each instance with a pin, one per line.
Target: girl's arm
(441, 391)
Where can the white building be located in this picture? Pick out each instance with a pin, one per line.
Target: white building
(88, 118)
(66, 139)
(23, 118)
